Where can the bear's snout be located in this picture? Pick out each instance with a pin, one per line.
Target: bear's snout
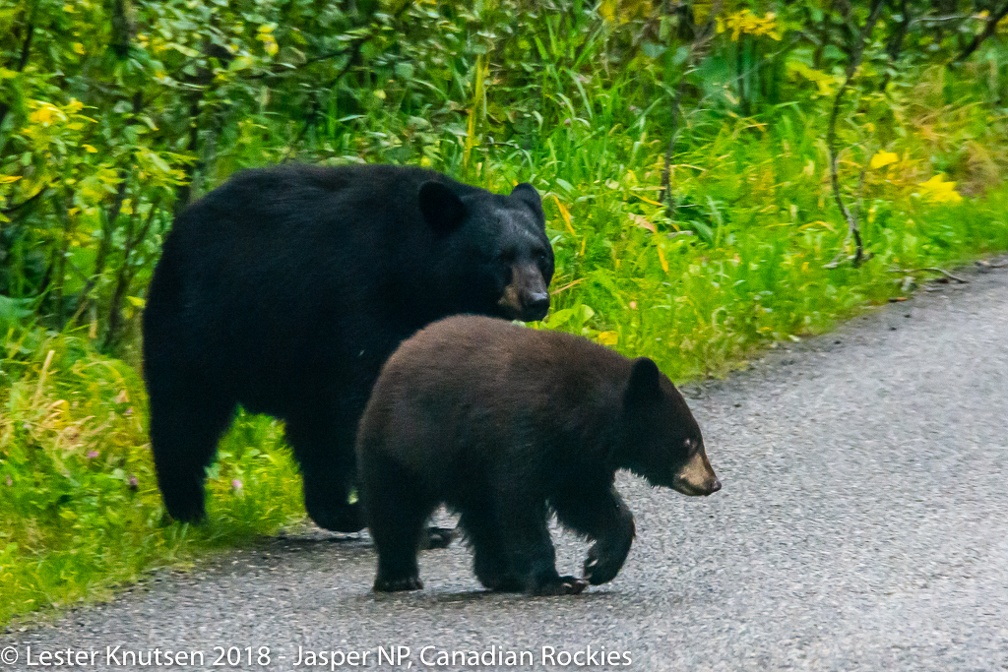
(696, 478)
(526, 298)
(537, 305)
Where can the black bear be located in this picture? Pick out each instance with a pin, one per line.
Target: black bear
(503, 424)
(287, 288)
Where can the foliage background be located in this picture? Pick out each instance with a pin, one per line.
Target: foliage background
(683, 148)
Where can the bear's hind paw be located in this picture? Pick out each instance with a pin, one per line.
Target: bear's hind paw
(439, 537)
(397, 585)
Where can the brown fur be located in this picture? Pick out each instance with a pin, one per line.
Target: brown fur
(503, 423)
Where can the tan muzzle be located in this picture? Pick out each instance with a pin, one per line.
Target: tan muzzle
(696, 478)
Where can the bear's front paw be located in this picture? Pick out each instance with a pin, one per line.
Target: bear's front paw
(562, 585)
(345, 518)
(603, 564)
(396, 585)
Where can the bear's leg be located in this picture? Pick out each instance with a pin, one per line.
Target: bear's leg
(396, 513)
(490, 562)
(602, 516)
(324, 448)
(184, 430)
(529, 548)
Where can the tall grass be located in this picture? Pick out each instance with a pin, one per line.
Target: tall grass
(79, 508)
(735, 261)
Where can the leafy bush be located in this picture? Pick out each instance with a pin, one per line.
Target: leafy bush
(684, 151)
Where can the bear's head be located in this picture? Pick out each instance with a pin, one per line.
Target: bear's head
(495, 258)
(664, 444)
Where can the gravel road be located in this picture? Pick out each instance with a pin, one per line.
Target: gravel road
(863, 525)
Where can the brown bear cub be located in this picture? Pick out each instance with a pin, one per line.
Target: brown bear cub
(504, 424)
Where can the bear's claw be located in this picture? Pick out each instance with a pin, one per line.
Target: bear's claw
(564, 585)
(602, 566)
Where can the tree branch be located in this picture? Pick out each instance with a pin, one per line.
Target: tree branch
(123, 28)
(126, 273)
(104, 246)
(353, 53)
(701, 38)
(931, 269)
(856, 54)
(12, 209)
(895, 46)
(22, 59)
(979, 38)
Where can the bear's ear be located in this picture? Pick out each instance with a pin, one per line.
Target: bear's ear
(528, 195)
(645, 381)
(441, 207)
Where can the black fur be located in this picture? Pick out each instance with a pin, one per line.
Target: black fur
(285, 290)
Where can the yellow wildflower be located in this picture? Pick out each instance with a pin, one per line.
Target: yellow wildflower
(883, 159)
(45, 114)
(265, 35)
(937, 190)
(747, 23)
(609, 338)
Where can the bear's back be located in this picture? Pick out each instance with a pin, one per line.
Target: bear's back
(487, 352)
(310, 201)
(466, 378)
(291, 239)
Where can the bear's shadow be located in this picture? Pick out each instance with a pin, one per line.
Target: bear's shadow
(445, 596)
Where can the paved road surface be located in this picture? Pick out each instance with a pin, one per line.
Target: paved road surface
(863, 525)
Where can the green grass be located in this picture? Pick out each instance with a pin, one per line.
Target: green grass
(713, 308)
(79, 508)
(741, 264)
